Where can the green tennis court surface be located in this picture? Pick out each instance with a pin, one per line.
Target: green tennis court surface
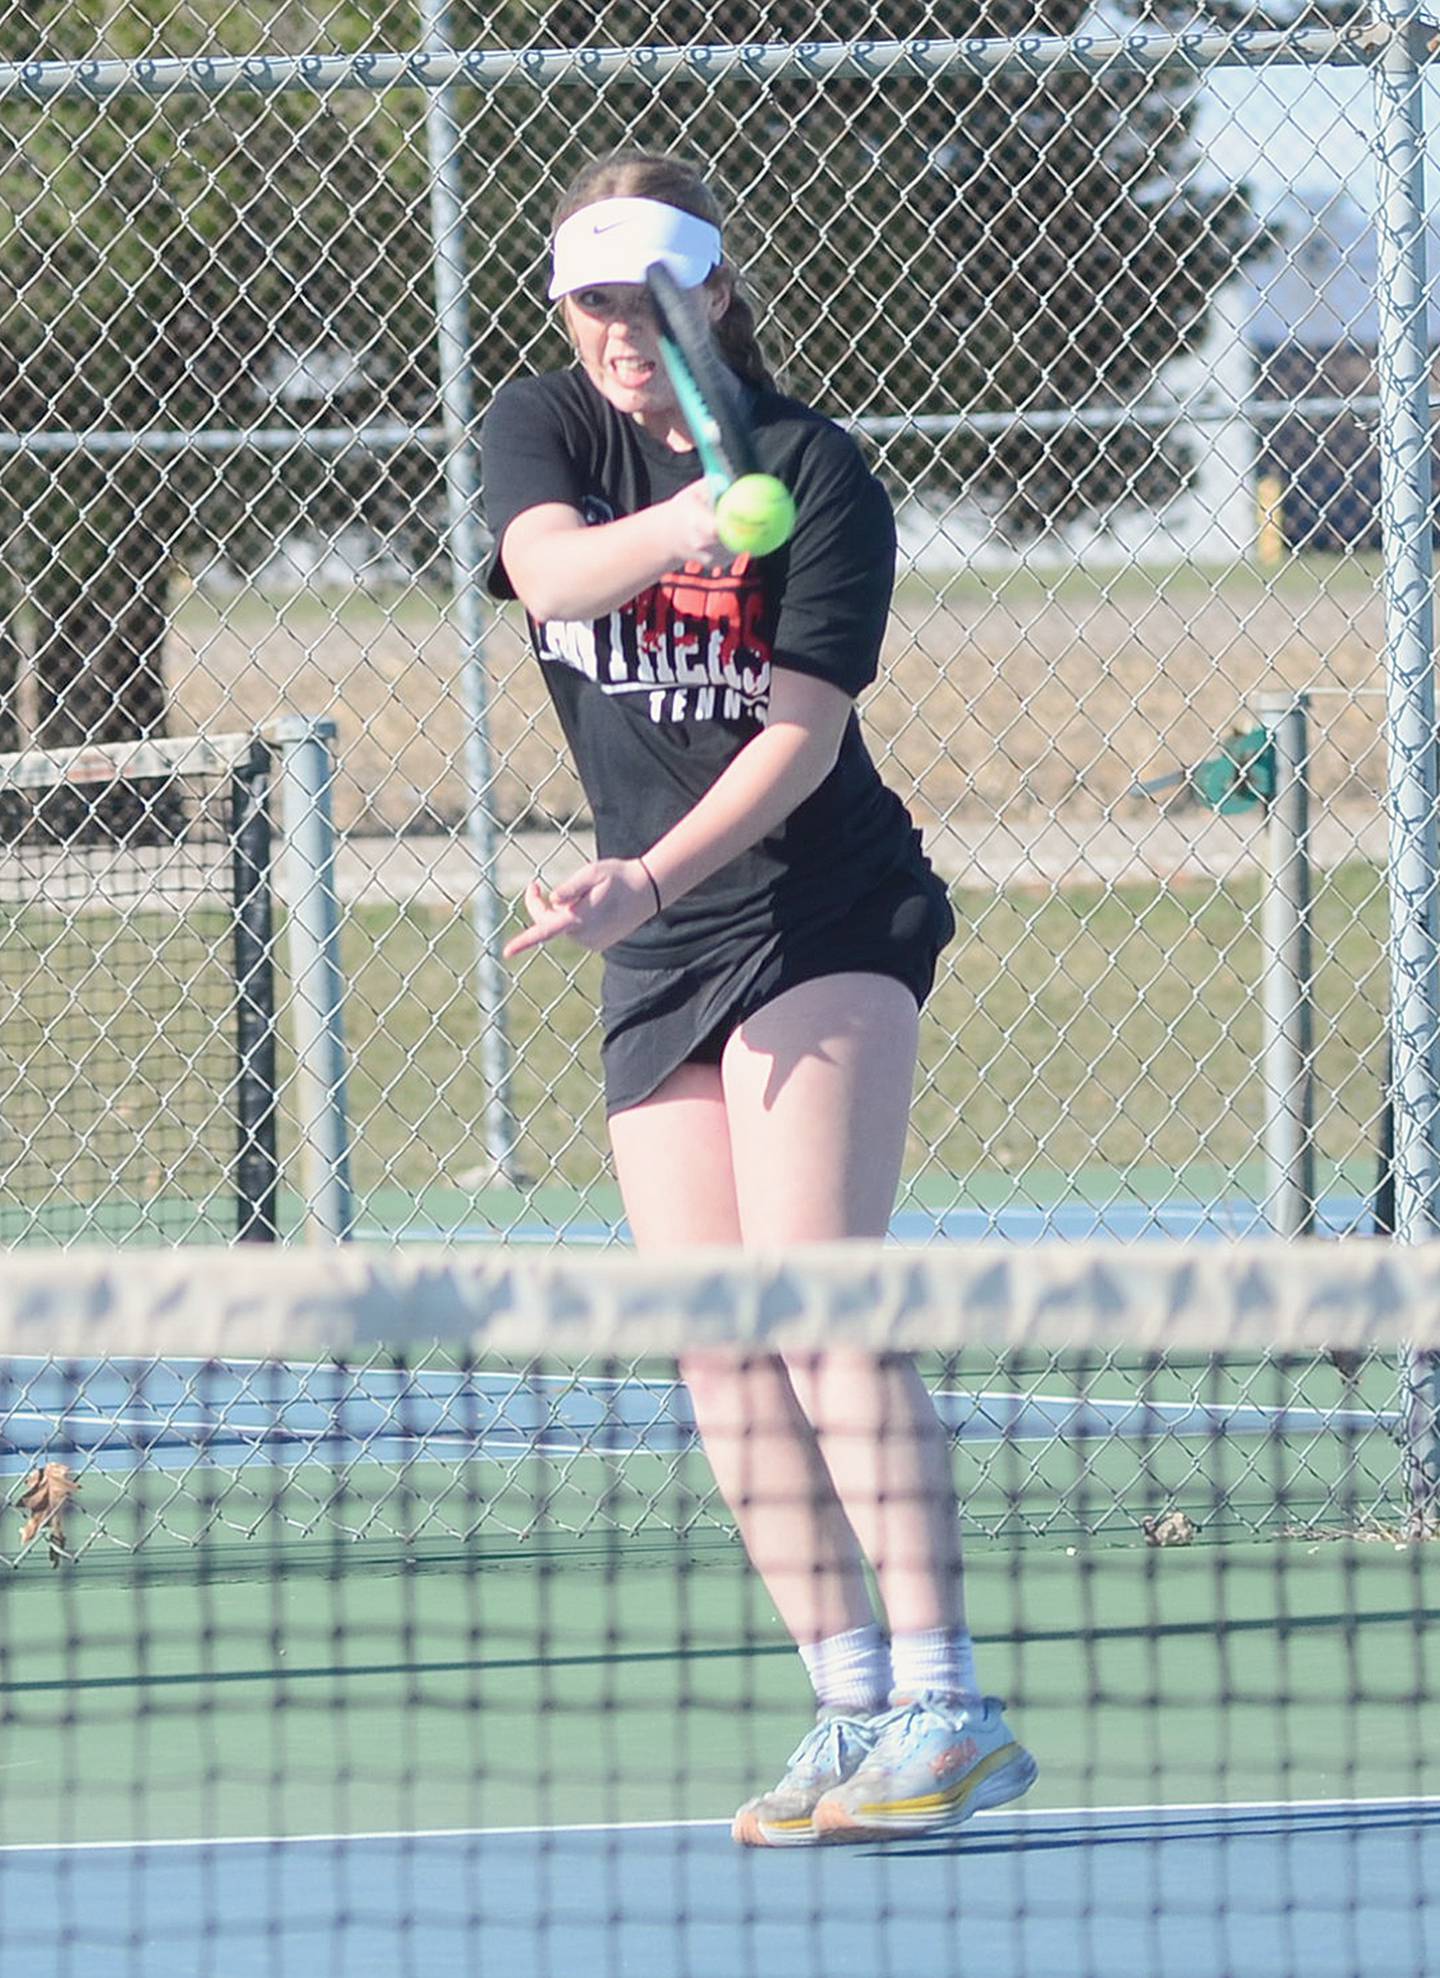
(588, 1686)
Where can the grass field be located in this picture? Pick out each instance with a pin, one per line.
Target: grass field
(1113, 1030)
(1106, 1028)
(1103, 1039)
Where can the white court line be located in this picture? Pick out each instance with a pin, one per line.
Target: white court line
(307, 1370)
(403, 1836)
(1306, 1416)
(355, 1371)
(170, 1416)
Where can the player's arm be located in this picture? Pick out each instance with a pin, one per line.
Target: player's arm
(563, 568)
(770, 777)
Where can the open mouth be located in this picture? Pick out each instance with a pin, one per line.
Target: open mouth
(633, 371)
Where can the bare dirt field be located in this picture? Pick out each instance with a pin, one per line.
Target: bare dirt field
(1015, 714)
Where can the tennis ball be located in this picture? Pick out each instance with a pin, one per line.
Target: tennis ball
(755, 515)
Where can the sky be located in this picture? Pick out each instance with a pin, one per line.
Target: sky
(1299, 126)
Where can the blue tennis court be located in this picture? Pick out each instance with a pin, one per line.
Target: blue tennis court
(1331, 1890)
(1113, 1215)
(125, 1415)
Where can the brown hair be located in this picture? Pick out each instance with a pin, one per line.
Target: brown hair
(658, 175)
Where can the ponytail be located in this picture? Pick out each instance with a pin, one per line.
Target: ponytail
(739, 344)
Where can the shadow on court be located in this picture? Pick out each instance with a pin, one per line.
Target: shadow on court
(1149, 1827)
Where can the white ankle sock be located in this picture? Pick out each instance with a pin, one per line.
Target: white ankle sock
(937, 1661)
(850, 1672)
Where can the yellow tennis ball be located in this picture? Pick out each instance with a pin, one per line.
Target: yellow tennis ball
(755, 515)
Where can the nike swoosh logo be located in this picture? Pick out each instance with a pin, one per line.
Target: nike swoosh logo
(606, 226)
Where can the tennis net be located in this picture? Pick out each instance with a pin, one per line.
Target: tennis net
(378, 1611)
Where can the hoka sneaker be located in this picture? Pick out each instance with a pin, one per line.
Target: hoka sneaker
(823, 1759)
(932, 1763)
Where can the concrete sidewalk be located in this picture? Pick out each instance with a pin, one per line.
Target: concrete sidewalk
(1143, 846)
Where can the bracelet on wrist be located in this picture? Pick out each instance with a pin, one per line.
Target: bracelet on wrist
(659, 908)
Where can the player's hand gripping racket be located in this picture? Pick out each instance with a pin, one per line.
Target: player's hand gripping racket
(754, 513)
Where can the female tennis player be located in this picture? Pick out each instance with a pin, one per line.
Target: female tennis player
(770, 927)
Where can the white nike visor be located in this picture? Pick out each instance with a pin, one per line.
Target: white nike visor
(616, 240)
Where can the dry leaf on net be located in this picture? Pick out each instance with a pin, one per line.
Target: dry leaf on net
(1174, 1528)
(48, 1497)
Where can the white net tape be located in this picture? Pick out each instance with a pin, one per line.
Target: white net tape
(1149, 1298)
(440, 1397)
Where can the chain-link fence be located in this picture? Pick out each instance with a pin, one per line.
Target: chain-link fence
(1157, 685)
(260, 273)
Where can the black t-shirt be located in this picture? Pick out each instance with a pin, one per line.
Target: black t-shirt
(658, 697)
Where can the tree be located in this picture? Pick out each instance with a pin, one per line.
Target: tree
(155, 256)
(925, 245)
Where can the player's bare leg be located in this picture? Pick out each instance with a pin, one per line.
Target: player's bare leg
(818, 1089)
(673, 1159)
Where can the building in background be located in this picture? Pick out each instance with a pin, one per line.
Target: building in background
(1309, 323)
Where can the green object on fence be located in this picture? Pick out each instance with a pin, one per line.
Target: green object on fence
(1241, 776)
(1237, 779)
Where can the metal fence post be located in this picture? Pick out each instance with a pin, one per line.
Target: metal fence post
(1403, 378)
(317, 983)
(1287, 1056)
(463, 542)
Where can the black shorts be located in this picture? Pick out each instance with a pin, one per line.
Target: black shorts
(656, 1019)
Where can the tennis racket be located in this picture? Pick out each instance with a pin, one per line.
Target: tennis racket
(754, 512)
